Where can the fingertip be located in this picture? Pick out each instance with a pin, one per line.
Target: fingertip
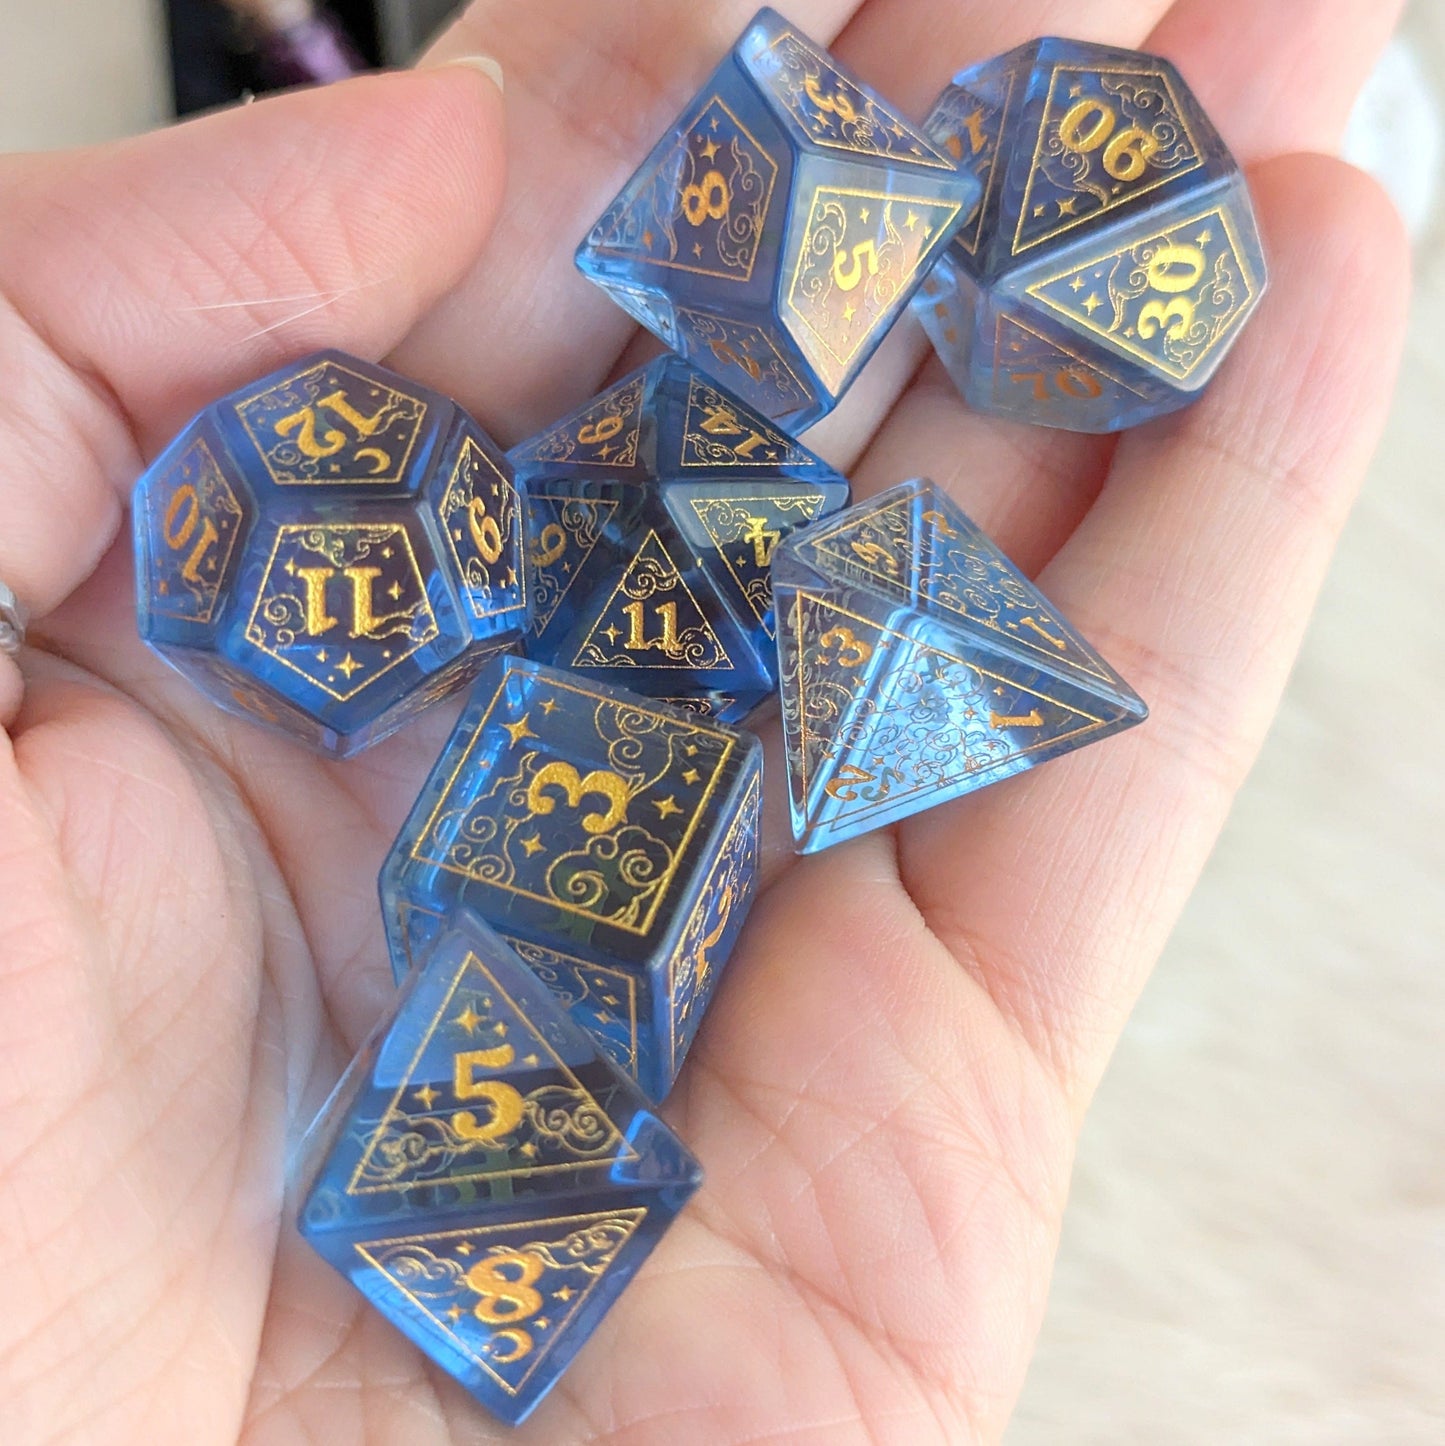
(1328, 200)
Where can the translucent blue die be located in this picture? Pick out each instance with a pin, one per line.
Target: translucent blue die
(485, 1177)
(918, 664)
(329, 551)
(781, 224)
(652, 513)
(1115, 256)
(611, 839)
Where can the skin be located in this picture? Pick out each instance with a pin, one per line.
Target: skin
(887, 1093)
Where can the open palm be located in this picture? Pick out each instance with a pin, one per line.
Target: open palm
(887, 1092)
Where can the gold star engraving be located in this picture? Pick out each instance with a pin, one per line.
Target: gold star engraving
(849, 313)
(565, 1293)
(612, 634)
(387, 553)
(542, 1323)
(1066, 208)
(697, 249)
(1038, 211)
(520, 729)
(1092, 302)
(666, 807)
(691, 750)
(468, 1019)
(710, 150)
(863, 213)
(455, 1313)
(321, 655)
(549, 707)
(647, 238)
(349, 665)
(394, 591)
(533, 845)
(691, 776)
(531, 1059)
(465, 1248)
(1205, 237)
(1075, 91)
(427, 1095)
(1077, 284)
(911, 220)
(529, 1150)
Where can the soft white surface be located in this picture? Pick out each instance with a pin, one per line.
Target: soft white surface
(1255, 1255)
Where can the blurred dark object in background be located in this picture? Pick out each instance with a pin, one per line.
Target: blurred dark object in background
(223, 49)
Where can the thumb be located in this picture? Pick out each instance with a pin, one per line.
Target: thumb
(141, 280)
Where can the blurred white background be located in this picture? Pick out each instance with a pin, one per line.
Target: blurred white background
(1256, 1247)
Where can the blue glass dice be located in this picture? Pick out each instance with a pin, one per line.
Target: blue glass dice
(652, 515)
(330, 550)
(918, 664)
(611, 839)
(485, 1177)
(780, 225)
(1115, 256)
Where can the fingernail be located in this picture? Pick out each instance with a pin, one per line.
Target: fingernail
(489, 67)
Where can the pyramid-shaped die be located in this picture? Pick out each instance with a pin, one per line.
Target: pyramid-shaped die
(653, 511)
(780, 225)
(1115, 256)
(329, 551)
(611, 839)
(485, 1177)
(919, 664)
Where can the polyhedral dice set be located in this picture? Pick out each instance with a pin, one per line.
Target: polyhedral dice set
(333, 549)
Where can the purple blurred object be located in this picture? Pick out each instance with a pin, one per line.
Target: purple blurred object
(312, 52)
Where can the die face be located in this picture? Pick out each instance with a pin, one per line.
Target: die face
(328, 550)
(485, 1177)
(1163, 299)
(653, 512)
(776, 233)
(585, 824)
(918, 664)
(711, 930)
(704, 215)
(193, 515)
(642, 609)
(1115, 228)
(350, 612)
(473, 502)
(1012, 364)
(331, 422)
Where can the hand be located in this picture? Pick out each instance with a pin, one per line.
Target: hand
(887, 1093)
